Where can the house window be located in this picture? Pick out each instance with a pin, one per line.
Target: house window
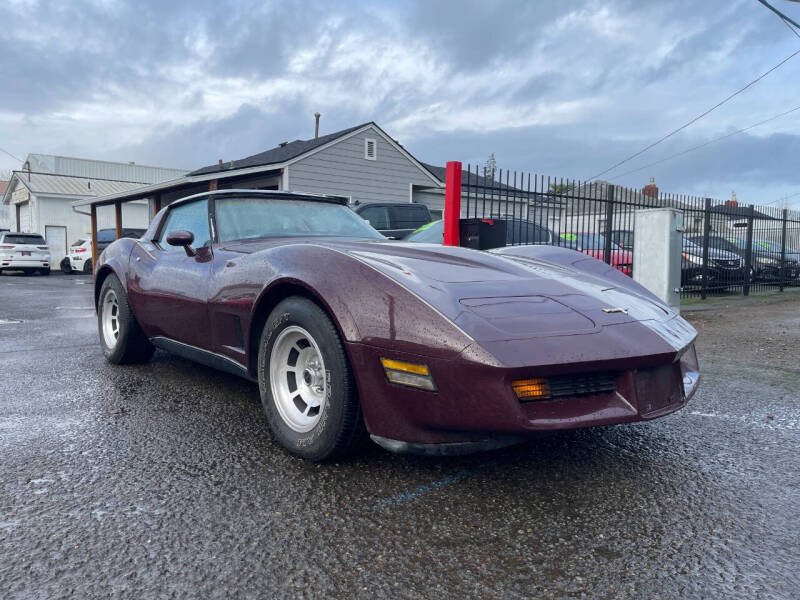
(370, 149)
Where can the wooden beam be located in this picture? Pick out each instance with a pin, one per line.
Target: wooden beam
(118, 218)
(94, 237)
(156, 204)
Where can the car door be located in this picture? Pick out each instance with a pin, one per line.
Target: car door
(168, 287)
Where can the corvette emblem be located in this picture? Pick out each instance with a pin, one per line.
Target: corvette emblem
(616, 309)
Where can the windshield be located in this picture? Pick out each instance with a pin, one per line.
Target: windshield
(78, 243)
(432, 233)
(247, 218)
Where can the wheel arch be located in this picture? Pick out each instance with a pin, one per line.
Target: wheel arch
(269, 298)
(100, 277)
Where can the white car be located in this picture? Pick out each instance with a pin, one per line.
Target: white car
(27, 252)
(79, 257)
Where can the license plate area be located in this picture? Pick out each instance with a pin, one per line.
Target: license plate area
(658, 389)
(26, 253)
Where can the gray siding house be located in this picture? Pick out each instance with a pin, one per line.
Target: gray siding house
(361, 163)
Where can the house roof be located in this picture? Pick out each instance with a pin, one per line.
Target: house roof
(65, 185)
(280, 153)
(740, 212)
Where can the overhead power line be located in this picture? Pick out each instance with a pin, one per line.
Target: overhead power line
(697, 118)
(789, 22)
(703, 145)
(11, 155)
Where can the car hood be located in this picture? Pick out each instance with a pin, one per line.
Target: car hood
(495, 297)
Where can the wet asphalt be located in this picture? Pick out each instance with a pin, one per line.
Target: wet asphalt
(162, 481)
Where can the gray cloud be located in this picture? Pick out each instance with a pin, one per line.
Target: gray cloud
(553, 87)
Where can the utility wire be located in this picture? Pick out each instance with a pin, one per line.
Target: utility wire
(697, 118)
(783, 17)
(703, 145)
(11, 155)
(781, 199)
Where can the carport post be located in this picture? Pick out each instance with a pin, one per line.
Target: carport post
(748, 252)
(93, 218)
(156, 204)
(118, 218)
(785, 217)
(452, 203)
(706, 235)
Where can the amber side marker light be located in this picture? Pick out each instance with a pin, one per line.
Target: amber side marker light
(409, 374)
(531, 389)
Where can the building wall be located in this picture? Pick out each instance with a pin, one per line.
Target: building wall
(342, 170)
(58, 212)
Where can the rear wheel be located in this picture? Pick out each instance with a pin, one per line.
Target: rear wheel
(306, 384)
(121, 338)
(87, 267)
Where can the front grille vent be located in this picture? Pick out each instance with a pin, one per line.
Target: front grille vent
(581, 384)
(563, 386)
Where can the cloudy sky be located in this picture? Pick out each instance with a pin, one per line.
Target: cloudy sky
(565, 88)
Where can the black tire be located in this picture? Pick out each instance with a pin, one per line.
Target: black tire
(340, 427)
(131, 344)
(66, 269)
(87, 267)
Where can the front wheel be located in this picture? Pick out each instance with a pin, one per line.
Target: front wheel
(87, 267)
(306, 384)
(121, 338)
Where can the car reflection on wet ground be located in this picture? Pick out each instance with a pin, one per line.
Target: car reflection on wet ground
(162, 480)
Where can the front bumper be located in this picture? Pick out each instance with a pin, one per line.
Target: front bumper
(475, 407)
(717, 277)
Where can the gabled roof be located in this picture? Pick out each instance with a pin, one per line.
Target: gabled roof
(65, 185)
(280, 153)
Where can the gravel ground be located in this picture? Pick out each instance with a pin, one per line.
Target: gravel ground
(162, 481)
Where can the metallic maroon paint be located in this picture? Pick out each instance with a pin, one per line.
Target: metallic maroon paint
(479, 320)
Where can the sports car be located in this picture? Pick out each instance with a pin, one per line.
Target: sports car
(425, 348)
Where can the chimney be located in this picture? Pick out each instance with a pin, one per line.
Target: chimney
(651, 189)
(316, 125)
(220, 163)
(733, 201)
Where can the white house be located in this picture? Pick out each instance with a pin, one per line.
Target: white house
(39, 197)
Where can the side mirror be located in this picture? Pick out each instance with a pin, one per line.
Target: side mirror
(181, 237)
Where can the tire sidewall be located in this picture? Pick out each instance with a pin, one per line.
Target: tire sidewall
(322, 440)
(114, 354)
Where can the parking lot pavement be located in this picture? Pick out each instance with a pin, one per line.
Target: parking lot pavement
(161, 480)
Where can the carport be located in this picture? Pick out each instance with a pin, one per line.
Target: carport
(162, 194)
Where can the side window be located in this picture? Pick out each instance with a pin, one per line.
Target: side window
(191, 217)
(106, 236)
(377, 216)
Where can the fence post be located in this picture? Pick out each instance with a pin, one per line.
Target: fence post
(609, 224)
(706, 235)
(452, 203)
(783, 274)
(748, 254)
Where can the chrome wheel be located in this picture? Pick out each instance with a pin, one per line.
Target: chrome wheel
(109, 318)
(297, 379)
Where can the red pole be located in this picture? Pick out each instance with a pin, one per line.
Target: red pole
(452, 203)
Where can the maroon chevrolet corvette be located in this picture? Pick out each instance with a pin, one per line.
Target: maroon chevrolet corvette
(429, 349)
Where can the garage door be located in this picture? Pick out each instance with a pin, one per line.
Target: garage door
(24, 217)
(56, 237)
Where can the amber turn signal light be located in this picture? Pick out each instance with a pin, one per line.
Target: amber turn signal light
(531, 389)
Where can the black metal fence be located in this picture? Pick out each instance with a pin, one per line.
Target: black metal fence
(728, 248)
